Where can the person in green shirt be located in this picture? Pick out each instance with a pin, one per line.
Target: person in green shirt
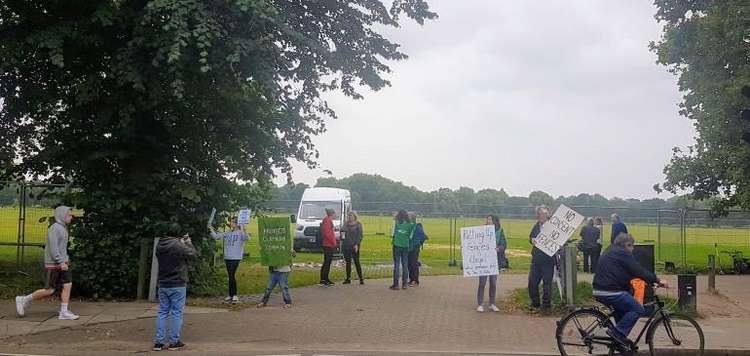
(403, 231)
(500, 245)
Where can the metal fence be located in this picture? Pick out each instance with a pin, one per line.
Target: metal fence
(25, 210)
(682, 237)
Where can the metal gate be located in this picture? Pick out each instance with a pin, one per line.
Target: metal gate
(25, 212)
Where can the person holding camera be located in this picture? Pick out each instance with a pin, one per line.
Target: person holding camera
(173, 254)
(56, 266)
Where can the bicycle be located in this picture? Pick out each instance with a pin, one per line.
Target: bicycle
(583, 332)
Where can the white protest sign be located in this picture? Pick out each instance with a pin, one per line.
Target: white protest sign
(211, 218)
(243, 218)
(557, 230)
(478, 251)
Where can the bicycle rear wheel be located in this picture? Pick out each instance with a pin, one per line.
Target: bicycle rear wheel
(583, 332)
(675, 332)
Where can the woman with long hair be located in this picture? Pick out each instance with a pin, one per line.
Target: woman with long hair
(500, 245)
(351, 246)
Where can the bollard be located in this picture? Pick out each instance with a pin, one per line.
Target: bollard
(687, 298)
(712, 273)
(570, 276)
(142, 262)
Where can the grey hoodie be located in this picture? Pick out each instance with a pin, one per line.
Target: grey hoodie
(56, 249)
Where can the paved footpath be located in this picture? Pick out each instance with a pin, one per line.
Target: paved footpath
(435, 318)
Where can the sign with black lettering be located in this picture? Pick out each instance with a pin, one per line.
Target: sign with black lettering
(557, 230)
(478, 251)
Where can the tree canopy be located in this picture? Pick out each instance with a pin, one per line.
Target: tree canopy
(156, 111)
(707, 45)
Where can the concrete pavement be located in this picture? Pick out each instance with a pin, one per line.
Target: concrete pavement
(436, 318)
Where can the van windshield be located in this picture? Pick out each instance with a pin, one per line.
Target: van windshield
(317, 209)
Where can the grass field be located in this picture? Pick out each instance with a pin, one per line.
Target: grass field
(376, 247)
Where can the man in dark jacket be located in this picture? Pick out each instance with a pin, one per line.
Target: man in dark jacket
(542, 266)
(617, 267)
(173, 254)
(618, 227)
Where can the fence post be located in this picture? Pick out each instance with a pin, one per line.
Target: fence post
(712, 273)
(142, 269)
(570, 276)
(452, 223)
(154, 273)
(658, 234)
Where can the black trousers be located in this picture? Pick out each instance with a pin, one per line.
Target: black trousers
(414, 265)
(591, 254)
(325, 270)
(232, 266)
(349, 255)
(541, 272)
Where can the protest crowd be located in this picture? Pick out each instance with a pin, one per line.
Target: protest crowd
(614, 271)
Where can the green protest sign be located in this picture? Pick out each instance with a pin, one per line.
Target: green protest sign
(275, 238)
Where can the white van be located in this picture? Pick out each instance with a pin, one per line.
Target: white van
(312, 210)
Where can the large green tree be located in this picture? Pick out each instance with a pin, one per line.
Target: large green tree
(158, 110)
(707, 45)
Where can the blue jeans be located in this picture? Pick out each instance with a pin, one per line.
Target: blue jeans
(171, 302)
(400, 264)
(282, 279)
(627, 310)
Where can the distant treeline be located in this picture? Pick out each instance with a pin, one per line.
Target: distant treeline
(375, 188)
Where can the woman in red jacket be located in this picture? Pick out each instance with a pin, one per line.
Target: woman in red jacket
(329, 246)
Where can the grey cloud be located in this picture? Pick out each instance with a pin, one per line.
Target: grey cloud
(561, 96)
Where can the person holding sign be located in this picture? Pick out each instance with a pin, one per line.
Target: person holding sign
(542, 266)
(500, 245)
(280, 276)
(234, 249)
(403, 230)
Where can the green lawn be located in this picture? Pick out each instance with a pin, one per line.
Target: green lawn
(376, 247)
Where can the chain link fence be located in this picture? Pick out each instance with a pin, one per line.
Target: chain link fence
(681, 237)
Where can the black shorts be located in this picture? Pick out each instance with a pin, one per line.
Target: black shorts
(56, 278)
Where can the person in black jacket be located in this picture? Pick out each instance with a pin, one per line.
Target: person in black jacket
(618, 227)
(542, 266)
(350, 246)
(617, 267)
(173, 254)
(590, 246)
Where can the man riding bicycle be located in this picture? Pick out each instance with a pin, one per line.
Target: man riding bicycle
(614, 272)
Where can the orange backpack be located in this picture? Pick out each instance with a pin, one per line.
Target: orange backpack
(639, 289)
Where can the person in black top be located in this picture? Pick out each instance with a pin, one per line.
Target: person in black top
(618, 227)
(350, 246)
(542, 266)
(616, 269)
(590, 246)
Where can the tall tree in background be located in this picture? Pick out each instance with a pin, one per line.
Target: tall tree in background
(707, 45)
(156, 110)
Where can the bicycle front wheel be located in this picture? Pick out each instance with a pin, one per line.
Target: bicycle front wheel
(675, 332)
(583, 332)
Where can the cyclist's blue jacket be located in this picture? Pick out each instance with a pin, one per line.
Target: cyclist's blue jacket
(616, 268)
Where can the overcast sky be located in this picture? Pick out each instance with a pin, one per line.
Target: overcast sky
(560, 96)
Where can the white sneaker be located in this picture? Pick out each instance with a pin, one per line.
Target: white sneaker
(494, 308)
(235, 299)
(20, 307)
(480, 309)
(227, 299)
(67, 315)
